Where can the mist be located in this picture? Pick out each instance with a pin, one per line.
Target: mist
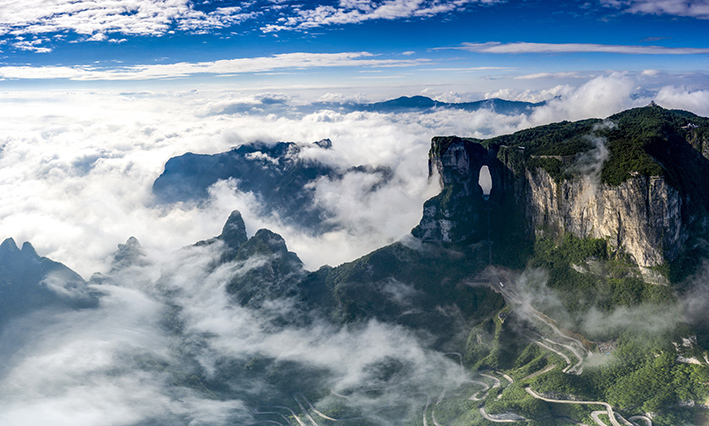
(166, 345)
(178, 350)
(76, 169)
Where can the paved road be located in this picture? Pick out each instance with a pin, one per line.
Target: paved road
(312, 408)
(540, 372)
(595, 416)
(495, 379)
(304, 410)
(607, 406)
(474, 397)
(561, 354)
(499, 420)
(646, 419)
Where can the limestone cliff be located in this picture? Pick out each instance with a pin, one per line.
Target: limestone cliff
(641, 217)
(644, 195)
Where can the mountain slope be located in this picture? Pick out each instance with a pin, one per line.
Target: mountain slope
(276, 174)
(29, 282)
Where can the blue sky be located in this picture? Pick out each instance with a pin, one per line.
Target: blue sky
(477, 45)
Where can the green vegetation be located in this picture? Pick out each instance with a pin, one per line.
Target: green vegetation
(583, 280)
(565, 138)
(642, 375)
(639, 142)
(440, 144)
(586, 274)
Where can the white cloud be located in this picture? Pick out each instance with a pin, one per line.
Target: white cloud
(599, 98)
(530, 95)
(695, 9)
(160, 17)
(284, 61)
(99, 17)
(524, 47)
(353, 11)
(696, 101)
(125, 362)
(554, 75)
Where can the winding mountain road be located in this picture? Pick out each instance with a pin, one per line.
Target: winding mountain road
(498, 418)
(607, 406)
(646, 419)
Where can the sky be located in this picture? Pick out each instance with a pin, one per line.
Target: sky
(381, 48)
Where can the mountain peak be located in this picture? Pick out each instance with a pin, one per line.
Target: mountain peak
(128, 254)
(9, 245)
(234, 231)
(324, 143)
(28, 249)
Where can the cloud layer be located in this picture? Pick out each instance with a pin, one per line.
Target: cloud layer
(76, 169)
(524, 47)
(695, 9)
(75, 177)
(127, 17)
(286, 61)
(175, 350)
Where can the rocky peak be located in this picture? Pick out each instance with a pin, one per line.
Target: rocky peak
(234, 231)
(8, 246)
(324, 143)
(265, 243)
(459, 214)
(13, 257)
(28, 249)
(28, 282)
(129, 254)
(269, 270)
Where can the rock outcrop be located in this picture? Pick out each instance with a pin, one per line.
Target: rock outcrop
(642, 197)
(460, 213)
(642, 217)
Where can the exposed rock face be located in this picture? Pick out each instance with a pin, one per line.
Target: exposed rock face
(460, 213)
(454, 215)
(641, 217)
(129, 254)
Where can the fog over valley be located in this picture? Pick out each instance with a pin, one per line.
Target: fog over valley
(185, 312)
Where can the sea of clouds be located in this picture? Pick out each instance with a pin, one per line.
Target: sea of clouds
(76, 168)
(76, 171)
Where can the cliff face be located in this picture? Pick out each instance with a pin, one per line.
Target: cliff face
(642, 217)
(643, 196)
(456, 214)
(460, 213)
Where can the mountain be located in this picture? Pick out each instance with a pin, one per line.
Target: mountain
(276, 174)
(29, 282)
(566, 282)
(631, 180)
(426, 104)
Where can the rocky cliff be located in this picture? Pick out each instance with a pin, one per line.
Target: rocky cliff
(629, 179)
(641, 217)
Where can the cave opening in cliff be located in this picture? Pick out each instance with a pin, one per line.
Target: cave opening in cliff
(485, 181)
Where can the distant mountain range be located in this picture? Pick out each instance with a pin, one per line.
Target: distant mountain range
(423, 103)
